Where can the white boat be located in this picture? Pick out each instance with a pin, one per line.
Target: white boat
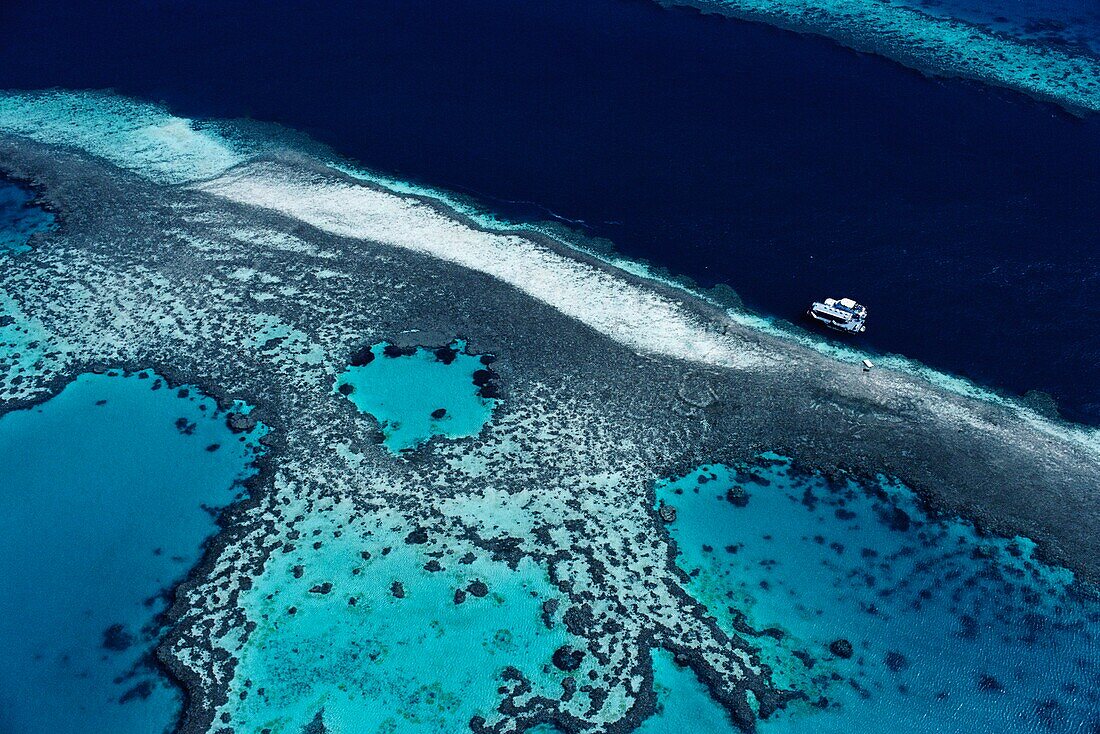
(842, 314)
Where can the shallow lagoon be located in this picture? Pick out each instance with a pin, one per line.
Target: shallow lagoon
(20, 218)
(105, 490)
(370, 627)
(950, 631)
(683, 704)
(419, 393)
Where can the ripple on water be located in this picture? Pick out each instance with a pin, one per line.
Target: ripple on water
(104, 488)
(950, 631)
(418, 393)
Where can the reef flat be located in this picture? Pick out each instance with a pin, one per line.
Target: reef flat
(943, 46)
(258, 271)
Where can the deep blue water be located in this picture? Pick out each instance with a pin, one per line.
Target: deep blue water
(786, 166)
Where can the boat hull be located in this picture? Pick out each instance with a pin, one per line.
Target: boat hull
(853, 328)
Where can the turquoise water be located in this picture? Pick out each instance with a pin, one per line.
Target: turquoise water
(683, 703)
(359, 626)
(950, 631)
(407, 392)
(103, 488)
(19, 218)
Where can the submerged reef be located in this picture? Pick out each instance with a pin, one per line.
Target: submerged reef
(945, 46)
(258, 273)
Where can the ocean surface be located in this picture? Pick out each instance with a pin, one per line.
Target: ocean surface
(108, 491)
(782, 165)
